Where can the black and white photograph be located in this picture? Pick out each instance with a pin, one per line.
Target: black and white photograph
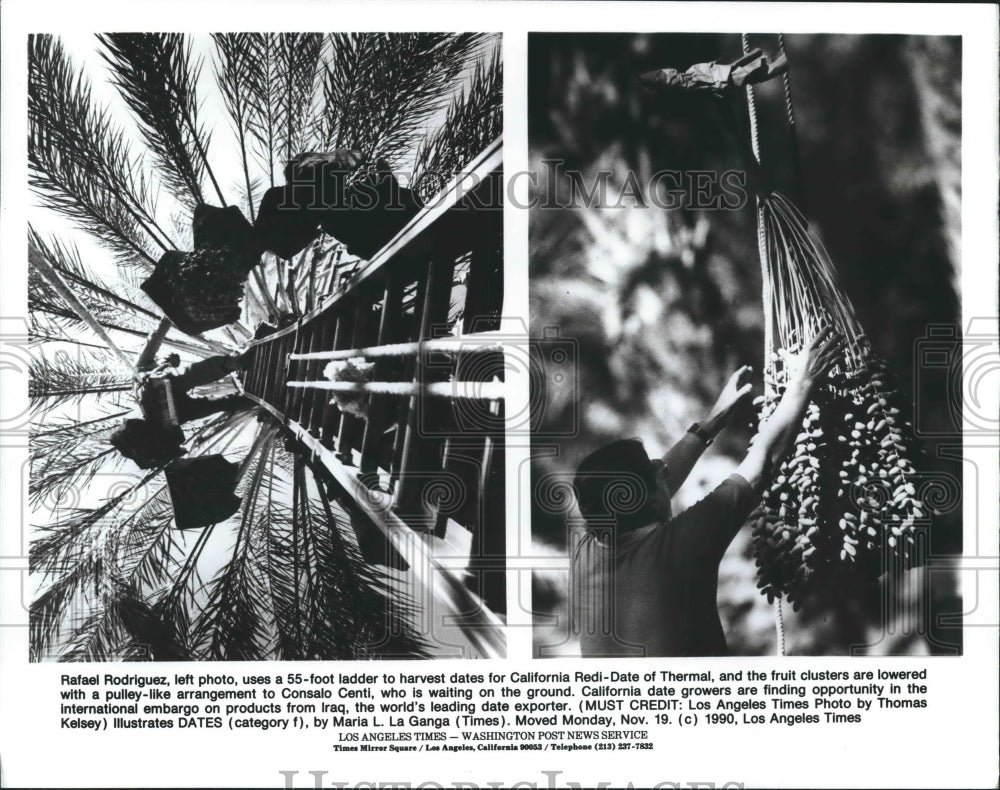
(744, 286)
(463, 394)
(266, 407)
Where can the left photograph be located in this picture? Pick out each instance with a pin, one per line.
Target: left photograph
(267, 385)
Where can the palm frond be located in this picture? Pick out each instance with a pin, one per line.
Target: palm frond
(156, 77)
(58, 547)
(151, 557)
(379, 89)
(122, 626)
(148, 551)
(295, 83)
(112, 310)
(64, 430)
(68, 454)
(182, 220)
(249, 194)
(79, 164)
(99, 634)
(352, 613)
(96, 553)
(474, 120)
(51, 607)
(237, 74)
(68, 467)
(112, 306)
(55, 280)
(111, 627)
(73, 553)
(276, 564)
(64, 378)
(232, 626)
(285, 561)
(49, 329)
(264, 120)
(281, 94)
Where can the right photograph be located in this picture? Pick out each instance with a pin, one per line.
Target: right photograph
(747, 386)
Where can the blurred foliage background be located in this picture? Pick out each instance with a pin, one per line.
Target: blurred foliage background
(663, 304)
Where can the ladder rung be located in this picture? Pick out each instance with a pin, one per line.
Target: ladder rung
(472, 344)
(456, 390)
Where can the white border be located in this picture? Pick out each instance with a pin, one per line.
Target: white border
(955, 744)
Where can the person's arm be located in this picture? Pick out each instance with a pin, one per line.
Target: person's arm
(681, 458)
(775, 437)
(147, 357)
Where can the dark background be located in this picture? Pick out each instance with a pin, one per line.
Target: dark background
(661, 305)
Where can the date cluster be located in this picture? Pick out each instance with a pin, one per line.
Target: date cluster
(843, 508)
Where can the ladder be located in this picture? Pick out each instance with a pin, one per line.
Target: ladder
(422, 463)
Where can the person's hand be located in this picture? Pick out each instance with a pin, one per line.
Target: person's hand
(735, 390)
(807, 367)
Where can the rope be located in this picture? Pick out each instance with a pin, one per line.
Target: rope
(765, 292)
(761, 237)
(779, 627)
(786, 81)
(751, 105)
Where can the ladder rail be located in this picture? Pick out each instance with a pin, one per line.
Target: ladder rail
(389, 453)
(459, 197)
(483, 630)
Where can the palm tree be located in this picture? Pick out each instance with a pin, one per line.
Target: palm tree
(283, 577)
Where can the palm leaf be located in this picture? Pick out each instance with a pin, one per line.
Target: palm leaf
(109, 308)
(237, 75)
(379, 89)
(232, 625)
(69, 467)
(47, 329)
(108, 305)
(64, 378)
(50, 607)
(264, 120)
(63, 431)
(79, 164)
(474, 120)
(99, 634)
(281, 94)
(148, 552)
(68, 454)
(156, 77)
(143, 551)
(351, 614)
(73, 551)
(283, 560)
(107, 549)
(295, 83)
(58, 547)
